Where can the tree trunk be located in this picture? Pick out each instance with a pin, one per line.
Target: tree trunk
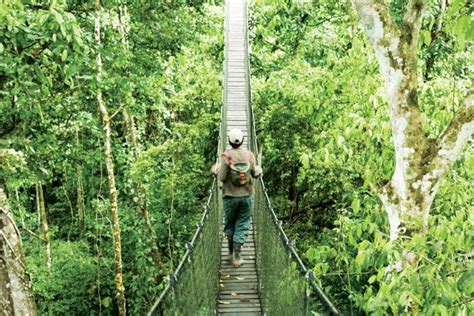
(16, 296)
(421, 163)
(110, 171)
(80, 204)
(44, 226)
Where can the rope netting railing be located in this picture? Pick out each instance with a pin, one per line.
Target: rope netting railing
(286, 286)
(197, 272)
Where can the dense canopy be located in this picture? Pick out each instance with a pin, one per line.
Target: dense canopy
(109, 119)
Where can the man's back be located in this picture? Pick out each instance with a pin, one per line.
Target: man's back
(237, 155)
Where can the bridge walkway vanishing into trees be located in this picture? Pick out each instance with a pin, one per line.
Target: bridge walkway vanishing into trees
(273, 279)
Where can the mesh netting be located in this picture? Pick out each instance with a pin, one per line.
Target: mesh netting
(285, 285)
(193, 286)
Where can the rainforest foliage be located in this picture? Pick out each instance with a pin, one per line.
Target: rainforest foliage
(323, 126)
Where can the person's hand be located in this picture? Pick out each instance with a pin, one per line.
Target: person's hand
(215, 169)
(258, 171)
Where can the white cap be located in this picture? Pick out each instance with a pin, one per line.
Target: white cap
(235, 136)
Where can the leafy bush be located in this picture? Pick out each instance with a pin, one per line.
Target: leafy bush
(71, 288)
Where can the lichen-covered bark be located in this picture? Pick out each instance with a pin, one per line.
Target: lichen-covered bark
(111, 176)
(44, 226)
(80, 203)
(420, 163)
(15, 285)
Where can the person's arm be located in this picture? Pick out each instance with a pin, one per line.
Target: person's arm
(256, 169)
(224, 169)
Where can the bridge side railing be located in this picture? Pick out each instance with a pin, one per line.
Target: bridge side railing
(286, 286)
(197, 271)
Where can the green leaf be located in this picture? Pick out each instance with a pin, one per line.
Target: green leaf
(441, 309)
(106, 302)
(372, 279)
(305, 160)
(360, 259)
(355, 205)
(426, 35)
(64, 55)
(466, 282)
(462, 31)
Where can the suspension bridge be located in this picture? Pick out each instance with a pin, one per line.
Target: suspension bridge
(273, 280)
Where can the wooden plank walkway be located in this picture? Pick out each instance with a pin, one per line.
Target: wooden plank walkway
(238, 291)
(236, 76)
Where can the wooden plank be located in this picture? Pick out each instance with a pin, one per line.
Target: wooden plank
(239, 124)
(237, 276)
(245, 249)
(238, 303)
(239, 288)
(237, 121)
(241, 292)
(231, 105)
(229, 313)
(226, 264)
(237, 98)
(244, 281)
(253, 298)
(230, 269)
(248, 307)
(247, 256)
(246, 263)
(224, 308)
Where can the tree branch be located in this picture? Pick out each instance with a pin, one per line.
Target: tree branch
(376, 20)
(453, 140)
(411, 24)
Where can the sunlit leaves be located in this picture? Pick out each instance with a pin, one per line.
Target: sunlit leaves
(328, 82)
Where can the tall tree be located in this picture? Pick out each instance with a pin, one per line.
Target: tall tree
(132, 139)
(421, 162)
(110, 171)
(15, 285)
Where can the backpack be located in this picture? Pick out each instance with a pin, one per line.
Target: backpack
(240, 174)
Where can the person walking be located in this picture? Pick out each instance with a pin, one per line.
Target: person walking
(237, 168)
